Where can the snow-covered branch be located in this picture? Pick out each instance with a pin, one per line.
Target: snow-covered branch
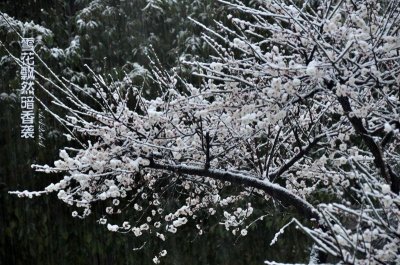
(299, 104)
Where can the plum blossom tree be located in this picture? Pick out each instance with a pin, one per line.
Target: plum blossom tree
(298, 106)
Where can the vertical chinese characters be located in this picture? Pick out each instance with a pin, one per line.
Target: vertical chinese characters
(27, 88)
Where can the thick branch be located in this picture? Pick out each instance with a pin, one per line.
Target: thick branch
(372, 146)
(272, 189)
